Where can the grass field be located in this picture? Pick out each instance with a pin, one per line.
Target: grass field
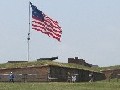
(103, 85)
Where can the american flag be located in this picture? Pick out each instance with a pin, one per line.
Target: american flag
(45, 24)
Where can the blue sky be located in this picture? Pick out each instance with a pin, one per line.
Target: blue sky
(91, 31)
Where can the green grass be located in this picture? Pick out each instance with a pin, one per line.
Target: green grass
(45, 62)
(103, 85)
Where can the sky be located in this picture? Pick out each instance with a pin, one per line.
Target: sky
(91, 31)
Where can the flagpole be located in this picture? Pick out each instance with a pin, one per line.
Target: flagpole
(29, 35)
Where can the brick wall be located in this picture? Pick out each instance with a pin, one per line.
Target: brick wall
(61, 73)
(55, 73)
(25, 74)
(111, 73)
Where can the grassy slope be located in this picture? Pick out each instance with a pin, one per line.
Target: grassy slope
(106, 68)
(44, 62)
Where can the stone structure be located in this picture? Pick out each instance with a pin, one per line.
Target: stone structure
(112, 73)
(79, 61)
(45, 73)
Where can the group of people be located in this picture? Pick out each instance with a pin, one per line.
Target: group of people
(72, 78)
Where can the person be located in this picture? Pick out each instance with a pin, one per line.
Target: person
(91, 77)
(68, 77)
(73, 78)
(11, 77)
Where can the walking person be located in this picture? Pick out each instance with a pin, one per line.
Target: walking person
(11, 77)
(91, 76)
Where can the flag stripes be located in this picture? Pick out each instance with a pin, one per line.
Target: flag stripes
(46, 25)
